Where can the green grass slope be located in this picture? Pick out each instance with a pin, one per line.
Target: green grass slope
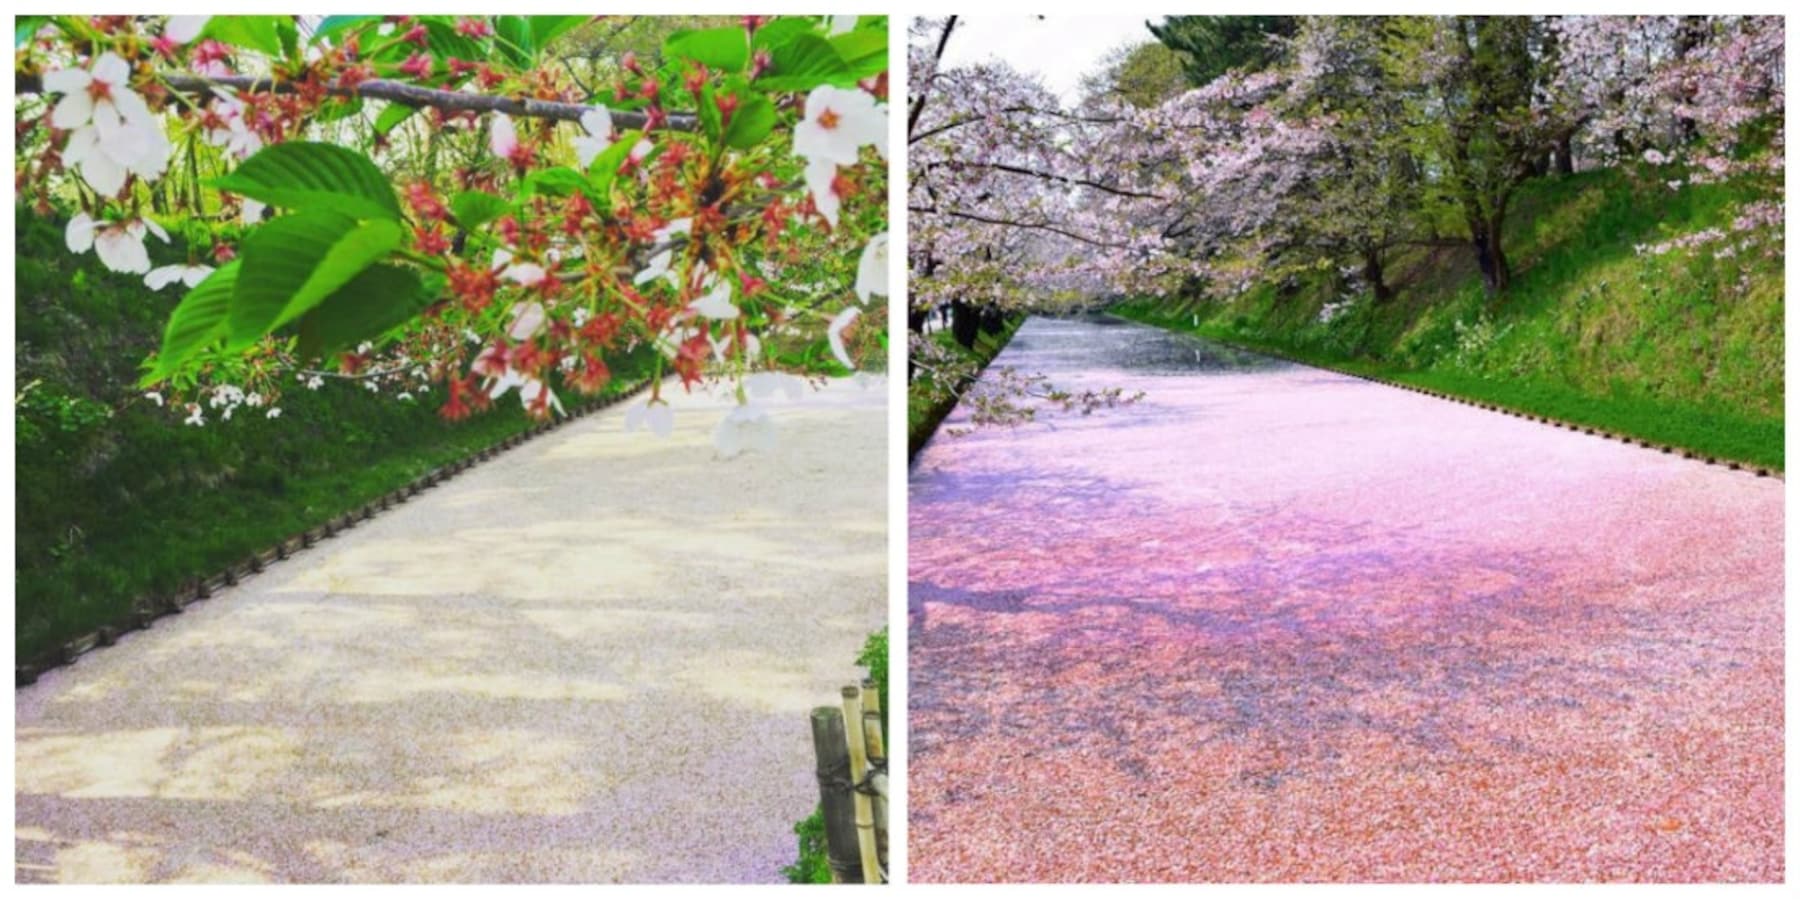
(117, 499)
(1683, 348)
(929, 400)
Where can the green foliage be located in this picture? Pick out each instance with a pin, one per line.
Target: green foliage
(1213, 45)
(377, 299)
(116, 499)
(804, 62)
(1144, 75)
(273, 35)
(474, 209)
(304, 175)
(814, 865)
(726, 48)
(752, 122)
(1684, 348)
(874, 657)
(197, 321)
(293, 263)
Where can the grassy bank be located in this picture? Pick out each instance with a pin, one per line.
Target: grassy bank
(117, 499)
(929, 398)
(1683, 348)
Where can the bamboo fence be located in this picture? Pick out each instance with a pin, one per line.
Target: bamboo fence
(852, 770)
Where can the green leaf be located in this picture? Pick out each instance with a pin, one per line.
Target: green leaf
(474, 209)
(391, 116)
(259, 33)
(707, 112)
(864, 51)
(515, 39)
(26, 27)
(557, 182)
(774, 34)
(297, 260)
(545, 29)
(377, 299)
(443, 41)
(804, 63)
(605, 166)
(724, 48)
(335, 24)
(751, 123)
(197, 321)
(288, 34)
(300, 175)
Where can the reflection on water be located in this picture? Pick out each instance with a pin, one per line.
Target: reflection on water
(1100, 341)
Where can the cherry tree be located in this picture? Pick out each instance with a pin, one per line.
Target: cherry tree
(1016, 200)
(446, 206)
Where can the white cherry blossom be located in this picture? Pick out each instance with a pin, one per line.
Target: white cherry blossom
(657, 415)
(528, 320)
(765, 384)
(661, 264)
(113, 134)
(183, 29)
(190, 275)
(838, 124)
(120, 245)
(819, 175)
(835, 334)
(746, 427)
(236, 135)
(597, 122)
(503, 139)
(872, 269)
(526, 274)
(716, 304)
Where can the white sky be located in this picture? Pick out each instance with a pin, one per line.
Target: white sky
(1060, 49)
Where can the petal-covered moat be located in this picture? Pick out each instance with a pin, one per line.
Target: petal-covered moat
(1277, 624)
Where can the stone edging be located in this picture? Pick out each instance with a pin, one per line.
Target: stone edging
(1734, 465)
(145, 610)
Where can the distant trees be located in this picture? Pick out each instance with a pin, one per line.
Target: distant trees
(1210, 46)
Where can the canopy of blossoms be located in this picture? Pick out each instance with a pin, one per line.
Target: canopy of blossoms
(1367, 134)
(456, 210)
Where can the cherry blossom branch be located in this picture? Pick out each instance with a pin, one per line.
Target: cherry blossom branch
(1012, 223)
(1048, 176)
(924, 90)
(398, 92)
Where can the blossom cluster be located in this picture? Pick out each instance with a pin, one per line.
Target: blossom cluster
(635, 230)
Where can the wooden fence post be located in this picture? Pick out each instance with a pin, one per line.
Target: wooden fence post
(856, 743)
(832, 751)
(877, 751)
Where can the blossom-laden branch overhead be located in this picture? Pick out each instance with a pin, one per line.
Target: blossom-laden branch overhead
(456, 208)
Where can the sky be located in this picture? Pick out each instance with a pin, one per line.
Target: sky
(1060, 49)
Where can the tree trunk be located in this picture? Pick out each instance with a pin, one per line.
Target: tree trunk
(1490, 255)
(992, 322)
(1688, 38)
(915, 323)
(1375, 275)
(1564, 154)
(965, 323)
